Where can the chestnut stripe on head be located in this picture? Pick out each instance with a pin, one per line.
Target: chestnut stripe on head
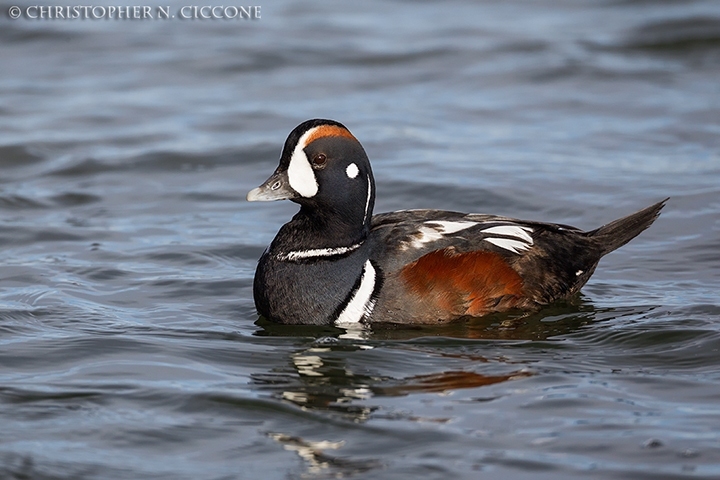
(300, 173)
(325, 131)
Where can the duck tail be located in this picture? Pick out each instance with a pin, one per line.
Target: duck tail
(619, 232)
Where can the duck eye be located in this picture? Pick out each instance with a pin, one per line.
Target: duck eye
(319, 160)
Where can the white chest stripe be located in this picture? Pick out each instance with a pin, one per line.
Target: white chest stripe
(317, 253)
(361, 304)
(522, 241)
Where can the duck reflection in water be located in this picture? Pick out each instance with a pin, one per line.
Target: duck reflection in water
(341, 376)
(321, 376)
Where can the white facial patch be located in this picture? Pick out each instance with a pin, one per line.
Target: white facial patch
(300, 174)
(521, 241)
(435, 230)
(352, 170)
(361, 304)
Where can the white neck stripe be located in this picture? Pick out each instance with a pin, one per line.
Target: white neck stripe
(361, 304)
(367, 200)
(317, 253)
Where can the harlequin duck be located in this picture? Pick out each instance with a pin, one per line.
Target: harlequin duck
(335, 263)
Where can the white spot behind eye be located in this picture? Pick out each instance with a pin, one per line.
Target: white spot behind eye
(352, 170)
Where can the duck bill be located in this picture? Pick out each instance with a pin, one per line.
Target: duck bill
(277, 187)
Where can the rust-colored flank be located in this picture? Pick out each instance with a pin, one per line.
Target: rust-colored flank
(472, 283)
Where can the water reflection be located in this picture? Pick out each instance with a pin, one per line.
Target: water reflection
(318, 461)
(445, 381)
(323, 380)
(326, 378)
(321, 376)
(348, 377)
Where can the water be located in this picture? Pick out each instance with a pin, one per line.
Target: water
(129, 344)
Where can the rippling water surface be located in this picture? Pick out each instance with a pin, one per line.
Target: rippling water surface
(129, 344)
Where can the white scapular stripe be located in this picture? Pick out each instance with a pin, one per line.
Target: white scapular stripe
(522, 241)
(511, 231)
(300, 174)
(352, 170)
(317, 252)
(361, 303)
(450, 227)
(436, 229)
(514, 246)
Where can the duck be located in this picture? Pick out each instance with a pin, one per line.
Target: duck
(336, 263)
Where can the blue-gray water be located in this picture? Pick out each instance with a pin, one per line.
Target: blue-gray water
(129, 344)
